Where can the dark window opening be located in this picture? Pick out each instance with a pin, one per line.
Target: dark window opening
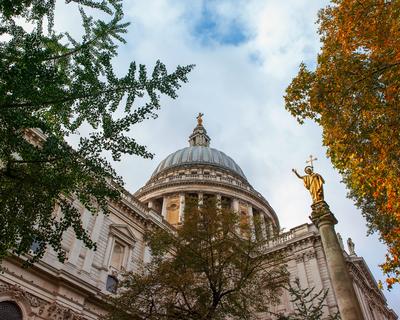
(157, 205)
(10, 310)
(226, 203)
(209, 198)
(112, 284)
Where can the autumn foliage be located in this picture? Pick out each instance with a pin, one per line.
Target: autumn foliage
(354, 95)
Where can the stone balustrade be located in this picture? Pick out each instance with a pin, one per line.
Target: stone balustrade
(199, 177)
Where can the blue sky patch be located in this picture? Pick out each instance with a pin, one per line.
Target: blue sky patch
(214, 28)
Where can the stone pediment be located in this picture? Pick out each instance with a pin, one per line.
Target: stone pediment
(123, 232)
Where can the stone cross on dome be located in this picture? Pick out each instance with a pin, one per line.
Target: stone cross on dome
(199, 137)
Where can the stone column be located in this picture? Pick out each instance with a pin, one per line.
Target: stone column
(235, 208)
(346, 297)
(200, 198)
(264, 227)
(181, 207)
(219, 204)
(251, 222)
(164, 208)
(271, 232)
(235, 205)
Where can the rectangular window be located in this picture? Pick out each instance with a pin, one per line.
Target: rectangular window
(117, 257)
(111, 284)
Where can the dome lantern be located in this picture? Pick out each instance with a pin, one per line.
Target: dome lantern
(199, 137)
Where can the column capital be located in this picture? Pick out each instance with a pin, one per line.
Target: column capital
(321, 214)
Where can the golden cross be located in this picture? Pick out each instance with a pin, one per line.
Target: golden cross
(311, 161)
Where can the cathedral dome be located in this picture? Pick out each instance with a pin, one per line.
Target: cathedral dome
(198, 154)
(205, 172)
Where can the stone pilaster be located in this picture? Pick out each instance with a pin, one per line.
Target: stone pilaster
(346, 298)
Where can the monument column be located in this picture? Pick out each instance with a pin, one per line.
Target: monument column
(324, 220)
(346, 297)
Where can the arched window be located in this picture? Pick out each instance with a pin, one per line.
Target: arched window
(10, 310)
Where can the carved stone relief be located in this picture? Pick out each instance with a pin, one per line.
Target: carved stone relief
(38, 306)
(17, 293)
(54, 311)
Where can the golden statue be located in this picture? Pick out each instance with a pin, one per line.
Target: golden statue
(200, 119)
(313, 182)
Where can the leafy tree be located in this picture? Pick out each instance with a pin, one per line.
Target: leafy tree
(308, 305)
(354, 95)
(52, 86)
(209, 269)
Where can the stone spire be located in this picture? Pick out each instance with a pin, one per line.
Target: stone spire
(199, 136)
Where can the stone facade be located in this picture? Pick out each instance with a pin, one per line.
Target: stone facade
(76, 289)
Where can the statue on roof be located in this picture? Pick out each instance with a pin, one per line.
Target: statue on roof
(350, 245)
(313, 182)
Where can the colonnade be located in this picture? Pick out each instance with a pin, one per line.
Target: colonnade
(265, 229)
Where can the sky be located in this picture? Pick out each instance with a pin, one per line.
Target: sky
(246, 53)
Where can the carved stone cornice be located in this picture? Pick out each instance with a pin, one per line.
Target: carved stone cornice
(305, 255)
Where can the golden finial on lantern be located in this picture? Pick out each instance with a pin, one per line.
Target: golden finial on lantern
(200, 119)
